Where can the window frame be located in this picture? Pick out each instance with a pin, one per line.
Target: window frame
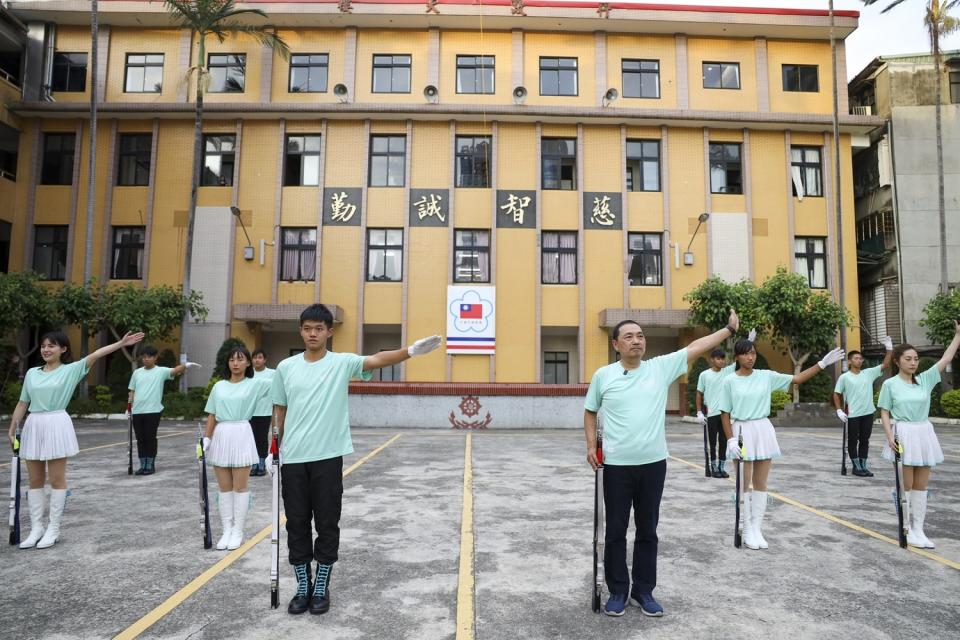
(138, 157)
(953, 79)
(304, 152)
(227, 65)
(544, 156)
(804, 164)
(309, 66)
(393, 66)
(797, 70)
(145, 65)
(226, 182)
(558, 69)
(557, 251)
(385, 247)
(557, 360)
(721, 65)
(119, 246)
(58, 58)
(642, 252)
(727, 164)
(474, 68)
(301, 247)
(58, 246)
(62, 155)
(642, 159)
(387, 154)
(459, 247)
(641, 72)
(472, 156)
(810, 256)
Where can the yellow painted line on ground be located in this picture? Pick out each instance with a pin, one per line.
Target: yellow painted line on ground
(845, 523)
(467, 582)
(117, 444)
(194, 585)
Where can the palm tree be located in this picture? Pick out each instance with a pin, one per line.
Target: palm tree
(938, 24)
(221, 19)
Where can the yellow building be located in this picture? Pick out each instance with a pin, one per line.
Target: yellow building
(561, 153)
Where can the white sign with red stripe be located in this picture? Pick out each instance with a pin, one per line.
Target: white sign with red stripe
(471, 320)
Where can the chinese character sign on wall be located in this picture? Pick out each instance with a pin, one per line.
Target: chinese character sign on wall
(471, 320)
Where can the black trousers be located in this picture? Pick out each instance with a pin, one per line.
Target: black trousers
(640, 487)
(313, 491)
(145, 427)
(261, 433)
(715, 434)
(858, 435)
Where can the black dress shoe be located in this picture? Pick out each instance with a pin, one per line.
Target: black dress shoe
(299, 604)
(320, 604)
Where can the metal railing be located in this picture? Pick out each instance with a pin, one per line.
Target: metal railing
(865, 110)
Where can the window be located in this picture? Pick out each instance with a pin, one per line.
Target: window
(50, 251)
(389, 373)
(57, 158)
(227, 72)
(308, 72)
(144, 73)
(6, 229)
(643, 165)
(69, 72)
(721, 75)
(134, 152)
(955, 87)
(645, 260)
(558, 257)
(559, 161)
(391, 74)
(556, 367)
(801, 77)
(9, 147)
(218, 159)
(641, 78)
(558, 76)
(302, 163)
(471, 255)
(810, 259)
(807, 170)
(127, 262)
(298, 254)
(384, 255)
(388, 159)
(725, 168)
(473, 161)
(475, 74)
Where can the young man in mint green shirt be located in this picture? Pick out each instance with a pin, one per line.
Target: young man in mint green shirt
(632, 394)
(855, 390)
(309, 393)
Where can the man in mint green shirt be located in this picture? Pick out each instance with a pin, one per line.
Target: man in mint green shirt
(855, 390)
(309, 393)
(632, 394)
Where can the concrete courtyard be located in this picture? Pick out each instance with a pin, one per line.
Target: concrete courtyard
(488, 535)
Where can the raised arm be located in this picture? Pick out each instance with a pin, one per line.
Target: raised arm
(127, 340)
(388, 358)
(888, 357)
(951, 350)
(702, 345)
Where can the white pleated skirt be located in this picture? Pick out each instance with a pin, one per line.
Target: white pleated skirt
(759, 439)
(48, 435)
(233, 445)
(920, 445)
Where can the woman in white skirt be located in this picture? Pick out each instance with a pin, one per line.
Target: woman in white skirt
(229, 443)
(744, 403)
(48, 438)
(904, 411)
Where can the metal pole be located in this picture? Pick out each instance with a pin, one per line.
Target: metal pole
(836, 164)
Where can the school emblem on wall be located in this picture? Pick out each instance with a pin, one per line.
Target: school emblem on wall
(470, 407)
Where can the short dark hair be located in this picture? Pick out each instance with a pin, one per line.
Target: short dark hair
(246, 354)
(60, 339)
(718, 353)
(148, 350)
(317, 313)
(615, 334)
(258, 352)
(742, 347)
(850, 354)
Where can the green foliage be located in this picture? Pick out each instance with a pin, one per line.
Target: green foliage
(950, 403)
(10, 395)
(83, 406)
(817, 389)
(25, 304)
(778, 400)
(220, 369)
(156, 311)
(939, 315)
(80, 305)
(711, 301)
(103, 398)
(699, 366)
(187, 405)
(118, 375)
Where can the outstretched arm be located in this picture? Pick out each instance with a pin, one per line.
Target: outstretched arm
(831, 358)
(702, 345)
(128, 340)
(951, 349)
(388, 358)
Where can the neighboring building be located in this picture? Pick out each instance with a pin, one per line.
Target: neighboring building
(895, 182)
(560, 152)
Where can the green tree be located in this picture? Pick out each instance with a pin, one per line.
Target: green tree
(938, 317)
(220, 369)
(711, 301)
(220, 19)
(26, 307)
(801, 321)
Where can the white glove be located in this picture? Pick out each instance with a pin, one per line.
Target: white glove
(423, 345)
(733, 450)
(188, 365)
(752, 336)
(842, 416)
(835, 355)
(887, 343)
(206, 444)
(268, 462)
(702, 419)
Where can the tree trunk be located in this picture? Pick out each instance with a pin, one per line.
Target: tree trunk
(91, 179)
(798, 362)
(935, 39)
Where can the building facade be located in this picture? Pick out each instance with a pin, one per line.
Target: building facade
(561, 153)
(895, 185)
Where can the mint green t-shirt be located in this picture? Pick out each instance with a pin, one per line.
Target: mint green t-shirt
(52, 391)
(708, 384)
(909, 402)
(236, 401)
(634, 407)
(857, 391)
(748, 397)
(265, 406)
(317, 424)
(147, 387)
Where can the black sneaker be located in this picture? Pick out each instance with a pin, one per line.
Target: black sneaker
(320, 600)
(301, 600)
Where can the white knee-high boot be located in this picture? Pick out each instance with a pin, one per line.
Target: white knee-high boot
(37, 503)
(912, 538)
(918, 511)
(58, 498)
(241, 502)
(226, 518)
(749, 536)
(758, 507)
